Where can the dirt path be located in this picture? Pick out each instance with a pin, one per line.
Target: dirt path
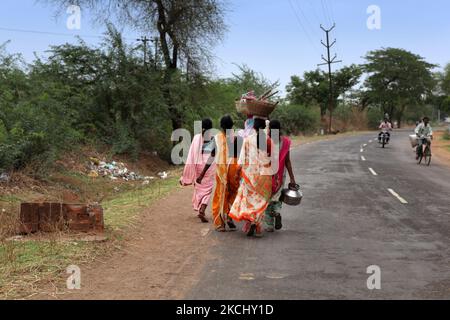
(161, 262)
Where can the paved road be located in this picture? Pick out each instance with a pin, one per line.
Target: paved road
(347, 222)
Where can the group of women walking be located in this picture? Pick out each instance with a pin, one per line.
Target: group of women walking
(241, 167)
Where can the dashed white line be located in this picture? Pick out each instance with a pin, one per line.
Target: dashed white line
(370, 141)
(362, 150)
(365, 145)
(373, 172)
(363, 158)
(395, 194)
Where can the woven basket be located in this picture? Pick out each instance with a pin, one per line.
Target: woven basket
(256, 107)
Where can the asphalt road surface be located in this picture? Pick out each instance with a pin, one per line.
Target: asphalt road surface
(352, 216)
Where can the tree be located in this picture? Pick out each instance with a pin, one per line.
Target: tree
(441, 97)
(396, 79)
(187, 30)
(313, 89)
(445, 80)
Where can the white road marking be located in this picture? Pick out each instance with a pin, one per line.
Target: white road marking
(365, 145)
(276, 276)
(370, 141)
(362, 150)
(247, 276)
(395, 194)
(373, 172)
(362, 158)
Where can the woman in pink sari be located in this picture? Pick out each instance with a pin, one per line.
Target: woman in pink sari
(201, 150)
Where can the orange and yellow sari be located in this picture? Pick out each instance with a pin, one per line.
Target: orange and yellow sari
(255, 187)
(227, 182)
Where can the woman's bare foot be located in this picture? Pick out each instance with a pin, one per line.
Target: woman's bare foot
(252, 230)
(221, 229)
(231, 225)
(202, 218)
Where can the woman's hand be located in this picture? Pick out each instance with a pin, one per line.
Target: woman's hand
(199, 179)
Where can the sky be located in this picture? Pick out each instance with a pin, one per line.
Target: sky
(278, 38)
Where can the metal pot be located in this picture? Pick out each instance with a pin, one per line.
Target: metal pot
(292, 196)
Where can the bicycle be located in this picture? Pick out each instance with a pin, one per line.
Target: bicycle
(427, 156)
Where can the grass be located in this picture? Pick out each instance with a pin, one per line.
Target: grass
(446, 135)
(121, 211)
(27, 266)
(441, 146)
(298, 140)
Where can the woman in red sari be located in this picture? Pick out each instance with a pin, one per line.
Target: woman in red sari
(281, 146)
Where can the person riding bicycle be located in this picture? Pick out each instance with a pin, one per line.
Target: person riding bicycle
(385, 127)
(425, 134)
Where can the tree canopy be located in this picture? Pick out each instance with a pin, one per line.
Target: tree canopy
(396, 79)
(313, 88)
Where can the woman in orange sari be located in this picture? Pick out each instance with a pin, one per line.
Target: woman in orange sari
(255, 188)
(227, 174)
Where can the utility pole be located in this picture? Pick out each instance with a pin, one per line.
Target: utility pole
(146, 40)
(329, 61)
(155, 41)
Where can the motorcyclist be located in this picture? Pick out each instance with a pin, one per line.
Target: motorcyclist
(385, 127)
(425, 134)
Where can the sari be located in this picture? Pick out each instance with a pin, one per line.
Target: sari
(278, 178)
(278, 182)
(227, 181)
(195, 163)
(255, 187)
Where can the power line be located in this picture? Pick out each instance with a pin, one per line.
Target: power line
(315, 12)
(325, 12)
(305, 18)
(55, 33)
(303, 27)
(330, 6)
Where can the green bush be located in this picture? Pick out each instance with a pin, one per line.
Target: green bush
(374, 117)
(297, 119)
(105, 96)
(446, 135)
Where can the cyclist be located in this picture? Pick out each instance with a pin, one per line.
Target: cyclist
(425, 134)
(385, 127)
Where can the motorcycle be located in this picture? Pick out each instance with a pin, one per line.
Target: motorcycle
(384, 139)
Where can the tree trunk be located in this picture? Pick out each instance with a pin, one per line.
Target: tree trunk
(399, 121)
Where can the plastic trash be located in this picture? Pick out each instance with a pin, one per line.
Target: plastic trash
(163, 175)
(4, 177)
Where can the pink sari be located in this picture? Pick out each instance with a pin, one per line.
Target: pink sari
(277, 179)
(195, 163)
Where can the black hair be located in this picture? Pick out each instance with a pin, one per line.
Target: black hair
(226, 123)
(259, 124)
(426, 118)
(206, 124)
(275, 124)
(237, 146)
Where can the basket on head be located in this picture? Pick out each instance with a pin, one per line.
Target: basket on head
(259, 108)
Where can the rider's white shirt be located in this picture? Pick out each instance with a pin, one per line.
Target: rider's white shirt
(424, 131)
